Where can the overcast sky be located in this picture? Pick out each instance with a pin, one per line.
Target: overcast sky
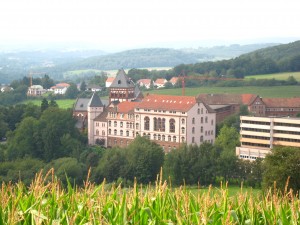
(138, 23)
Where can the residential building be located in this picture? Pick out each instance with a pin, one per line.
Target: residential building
(174, 80)
(282, 106)
(6, 89)
(258, 135)
(160, 83)
(144, 83)
(93, 87)
(60, 89)
(36, 90)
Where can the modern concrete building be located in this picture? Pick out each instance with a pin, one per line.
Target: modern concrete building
(258, 135)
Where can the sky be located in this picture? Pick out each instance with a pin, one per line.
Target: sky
(125, 24)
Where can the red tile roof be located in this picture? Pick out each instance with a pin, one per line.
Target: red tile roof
(110, 79)
(282, 102)
(62, 85)
(168, 102)
(125, 107)
(144, 81)
(160, 81)
(174, 80)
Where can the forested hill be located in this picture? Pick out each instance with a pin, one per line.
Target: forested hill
(280, 58)
(162, 57)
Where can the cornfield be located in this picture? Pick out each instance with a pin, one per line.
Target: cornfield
(46, 202)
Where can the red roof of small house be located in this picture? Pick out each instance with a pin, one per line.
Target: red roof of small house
(282, 102)
(174, 80)
(110, 79)
(168, 102)
(144, 81)
(62, 85)
(161, 81)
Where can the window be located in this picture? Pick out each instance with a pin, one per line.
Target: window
(115, 123)
(206, 119)
(172, 125)
(154, 136)
(193, 130)
(201, 119)
(103, 133)
(121, 132)
(109, 123)
(201, 129)
(97, 132)
(198, 111)
(193, 120)
(182, 130)
(182, 139)
(155, 125)
(137, 116)
(169, 138)
(121, 124)
(201, 111)
(212, 122)
(109, 131)
(137, 126)
(146, 123)
(115, 132)
(174, 138)
(182, 121)
(163, 137)
(127, 133)
(159, 137)
(97, 124)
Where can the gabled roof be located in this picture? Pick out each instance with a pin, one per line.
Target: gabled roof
(62, 85)
(174, 80)
(102, 116)
(282, 102)
(81, 104)
(110, 79)
(168, 102)
(160, 81)
(95, 101)
(144, 81)
(122, 80)
(223, 99)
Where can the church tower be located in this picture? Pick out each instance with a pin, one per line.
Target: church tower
(122, 88)
(95, 108)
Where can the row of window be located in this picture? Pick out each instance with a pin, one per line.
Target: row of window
(255, 144)
(255, 129)
(121, 133)
(287, 124)
(255, 137)
(255, 122)
(287, 140)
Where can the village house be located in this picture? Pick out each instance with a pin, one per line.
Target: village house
(35, 90)
(160, 83)
(60, 89)
(144, 83)
(174, 80)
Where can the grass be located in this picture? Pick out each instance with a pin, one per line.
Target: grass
(277, 76)
(267, 92)
(62, 103)
(46, 202)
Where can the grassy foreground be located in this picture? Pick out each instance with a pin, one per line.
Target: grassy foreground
(62, 103)
(47, 203)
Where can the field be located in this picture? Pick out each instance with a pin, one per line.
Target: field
(277, 76)
(266, 92)
(62, 103)
(45, 202)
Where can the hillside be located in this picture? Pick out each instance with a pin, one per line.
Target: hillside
(15, 65)
(280, 58)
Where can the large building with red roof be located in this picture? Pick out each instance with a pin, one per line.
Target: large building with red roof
(168, 120)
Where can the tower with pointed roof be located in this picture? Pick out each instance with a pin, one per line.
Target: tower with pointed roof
(95, 108)
(122, 88)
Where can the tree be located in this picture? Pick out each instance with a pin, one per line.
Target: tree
(145, 158)
(44, 105)
(53, 103)
(282, 166)
(83, 86)
(72, 91)
(47, 82)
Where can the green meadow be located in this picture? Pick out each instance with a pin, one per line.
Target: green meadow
(62, 103)
(277, 76)
(267, 92)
